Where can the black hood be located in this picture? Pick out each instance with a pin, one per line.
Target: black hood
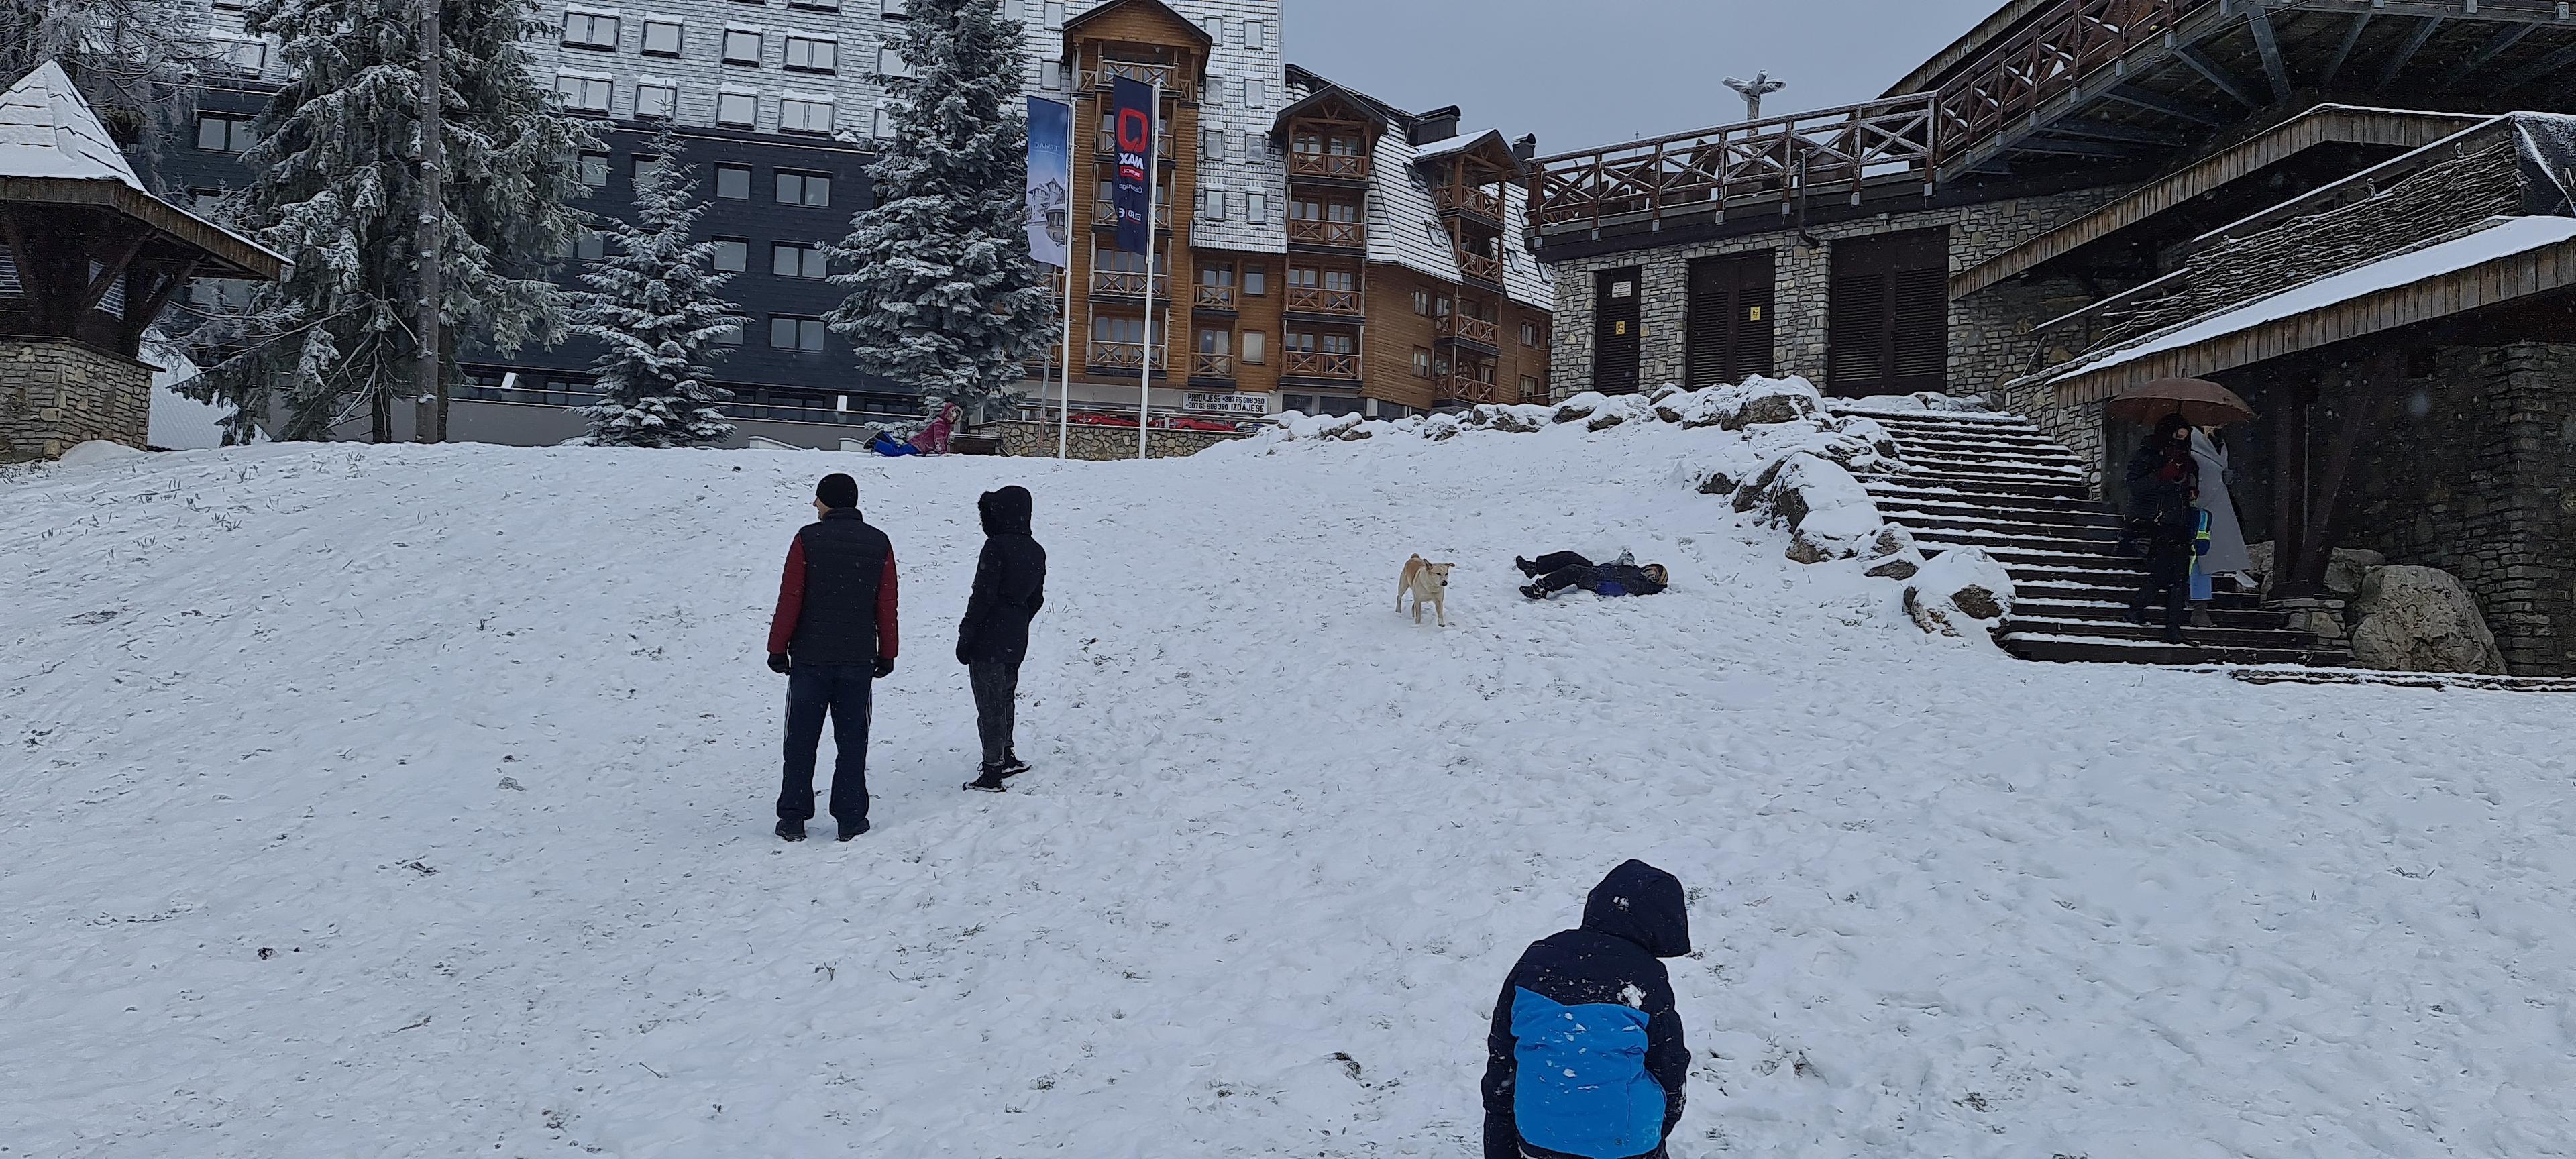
(1642, 904)
(1005, 512)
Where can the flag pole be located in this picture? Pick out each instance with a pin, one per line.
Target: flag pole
(1064, 403)
(1153, 187)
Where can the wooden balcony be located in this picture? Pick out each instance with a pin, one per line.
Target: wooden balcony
(1129, 284)
(1468, 328)
(1338, 234)
(1212, 366)
(1125, 356)
(1469, 199)
(1135, 70)
(1317, 300)
(1317, 364)
(1474, 382)
(1328, 166)
(1480, 267)
(1104, 214)
(1214, 298)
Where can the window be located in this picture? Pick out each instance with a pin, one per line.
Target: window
(1421, 362)
(662, 38)
(796, 188)
(223, 134)
(590, 30)
(1212, 204)
(733, 182)
(589, 94)
(804, 115)
(1256, 92)
(656, 102)
(1118, 328)
(798, 260)
(1254, 342)
(1529, 387)
(1309, 342)
(1256, 34)
(811, 54)
(816, 5)
(742, 46)
(729, 336)
(641, 169)
(738, 109)
(1051, 75)
(1212, 144)
(1218, 342)
(1256, 207)
(588, 245)
(1212, 92)
(594, 170)
(733, 255)
(1256, 280)
(890, 61)
(787, 332)
(1422, 302)
(1054, 18)
(1217, 274)
(250, 56)
(1529, 333)
(898, 8)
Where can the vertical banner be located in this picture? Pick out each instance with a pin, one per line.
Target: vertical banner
(1132, 127)
(1050, 164)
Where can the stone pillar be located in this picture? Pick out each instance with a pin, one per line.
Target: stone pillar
(56, 394)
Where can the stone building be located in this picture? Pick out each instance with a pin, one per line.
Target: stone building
(2079, 196)
(89, 260)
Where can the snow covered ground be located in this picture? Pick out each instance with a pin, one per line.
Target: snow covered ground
(415, 801)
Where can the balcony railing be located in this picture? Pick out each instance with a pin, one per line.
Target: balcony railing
(1756, 161)
(1212, 366)
(1319, 364)
(1129, 284)
(1215, 297)
(1318, 300)
(1135, 70)
(1125, 356)
(1476, 265)
(1107, 145)
(1329, 166)
(1106, 213)
(1467, 327)
(1346, 234)
(1469, 199)
(1466, 387)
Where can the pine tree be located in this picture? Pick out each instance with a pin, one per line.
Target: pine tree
(132, 60)
(943, 295)
(653, 301)
(335, 184)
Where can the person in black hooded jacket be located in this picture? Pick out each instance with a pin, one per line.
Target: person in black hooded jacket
(1586, 1058)
(1010, 587)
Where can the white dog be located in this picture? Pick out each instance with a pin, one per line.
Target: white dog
(1424, 580)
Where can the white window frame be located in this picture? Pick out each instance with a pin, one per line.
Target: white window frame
(599, 30)
(797, 114)
(1256, 92)
(728, 98)
(1256, 207)
(1211, 144)
(1052, 18)
(896, 9)
(579, 100)
(759, 46)
(235, 47)
(670, 91)
(1212, 204)
(1256, 35)
(890, 61)
(679, 36)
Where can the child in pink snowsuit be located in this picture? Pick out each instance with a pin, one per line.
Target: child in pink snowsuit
(935, 439)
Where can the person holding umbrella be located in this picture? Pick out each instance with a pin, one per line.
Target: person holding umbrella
(2163, 484)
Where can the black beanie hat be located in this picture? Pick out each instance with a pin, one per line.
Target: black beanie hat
(837, 491)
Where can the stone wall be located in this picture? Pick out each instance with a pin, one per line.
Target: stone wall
(56, 394)
(2475, 474)
(1987, 332)
(1101, 444)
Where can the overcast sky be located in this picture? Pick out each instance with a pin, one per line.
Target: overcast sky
(1594, 72)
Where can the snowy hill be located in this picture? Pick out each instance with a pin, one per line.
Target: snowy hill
(415, 801)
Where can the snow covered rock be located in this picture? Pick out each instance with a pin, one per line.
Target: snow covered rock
(1718, 483)
(1894, 555)
(1827, 511)
(1961, 587)
(2344, 575)
(1579, 407)
(1920, 402)
(1519, 420)
(2421, 619)
(1867, 431)
(1760, 400)
(97, 451)
(1613, 412)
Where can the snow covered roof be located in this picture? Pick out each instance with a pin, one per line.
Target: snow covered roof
(47, 130)
(2500, 238)
(1404, 225)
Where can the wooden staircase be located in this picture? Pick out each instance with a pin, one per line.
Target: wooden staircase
(1997, 482)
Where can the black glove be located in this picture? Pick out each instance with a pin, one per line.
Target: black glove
(778, 663)
(961, 653)
(885, 667)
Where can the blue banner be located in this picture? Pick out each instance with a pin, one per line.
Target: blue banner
(1050, 182)
(1132, 130)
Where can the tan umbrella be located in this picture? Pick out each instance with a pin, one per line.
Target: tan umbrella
(2201, 402)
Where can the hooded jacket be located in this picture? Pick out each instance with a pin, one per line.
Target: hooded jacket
(1586, 1058)
(1010, 582)
(2161, 477)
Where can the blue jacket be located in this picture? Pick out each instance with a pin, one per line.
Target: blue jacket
(1586, 1059)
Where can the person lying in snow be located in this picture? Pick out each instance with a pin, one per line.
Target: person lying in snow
(1585, 1059)
(1559, 570)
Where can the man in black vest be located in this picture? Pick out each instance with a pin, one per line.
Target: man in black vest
(833, 637)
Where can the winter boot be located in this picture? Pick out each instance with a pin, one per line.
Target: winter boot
(1012, 765)
(990, 782)
(1534, 591)
(1527, 568)
(791, 830)
(851, 831)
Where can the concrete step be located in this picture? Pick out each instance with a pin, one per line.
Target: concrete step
(2221, 636)
(2115, 595)
(1989, 470)
(1904, 505)
(1981, 484)
(1987, 529)
(2091, 650)
(2028, 554)
(2118, 611)
(2025, 458)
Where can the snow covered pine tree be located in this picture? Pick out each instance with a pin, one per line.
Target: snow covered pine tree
(653, 301)
(133, 61)
(334, 188)
(943, 294)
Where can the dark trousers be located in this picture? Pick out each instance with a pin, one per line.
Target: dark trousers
(1556, 561)
(2169, 577)
(997, 706)
(843, 690)
(1580, 575)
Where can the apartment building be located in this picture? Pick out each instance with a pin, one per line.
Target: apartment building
(781, 102)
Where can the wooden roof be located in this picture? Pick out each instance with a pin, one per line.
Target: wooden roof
(1157, 8)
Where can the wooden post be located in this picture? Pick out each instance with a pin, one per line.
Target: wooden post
(433, 207)
(2289, 487)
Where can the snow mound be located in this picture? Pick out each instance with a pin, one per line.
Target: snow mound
(98, 451)
(1961, 588)
(1920, 402)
